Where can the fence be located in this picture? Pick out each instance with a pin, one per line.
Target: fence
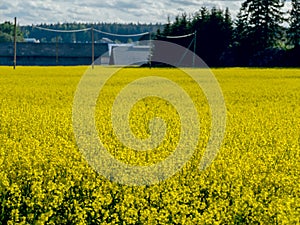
(47, 54)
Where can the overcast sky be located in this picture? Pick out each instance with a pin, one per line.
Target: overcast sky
(52, 11)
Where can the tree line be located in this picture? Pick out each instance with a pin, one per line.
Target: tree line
(44, 36)
(261, 35)
(85, 37)
(7, 32)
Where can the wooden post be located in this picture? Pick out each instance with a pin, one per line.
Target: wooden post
(15, 43)
(56, 50)
(150, 50)
(93, 47)
(195, 45)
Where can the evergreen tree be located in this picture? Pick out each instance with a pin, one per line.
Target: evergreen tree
(214, 34)
(7, 32)
(262, 22)
(227, 28)
(294, 30)
(241, 45)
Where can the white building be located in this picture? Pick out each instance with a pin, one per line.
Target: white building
(31, 40)
(129, 54)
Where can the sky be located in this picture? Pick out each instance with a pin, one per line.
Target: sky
(124, 11)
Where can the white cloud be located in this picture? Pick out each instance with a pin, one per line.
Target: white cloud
(52, 11)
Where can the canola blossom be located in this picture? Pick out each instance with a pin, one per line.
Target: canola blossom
(45, 179)
(147, 84)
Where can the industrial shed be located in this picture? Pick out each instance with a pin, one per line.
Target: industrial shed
(129, 55)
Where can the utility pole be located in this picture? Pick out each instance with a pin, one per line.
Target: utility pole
(150, 50)
(56, 49)
(93, 47)
(15, 43)
(195, 45)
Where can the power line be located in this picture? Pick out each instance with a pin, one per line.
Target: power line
(92, 29)
(122, 35)
(194, 40)
(96, 30)
(174, 37)
(62, 31)
(186, 51)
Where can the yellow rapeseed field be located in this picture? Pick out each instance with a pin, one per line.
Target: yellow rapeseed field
(44, 179)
